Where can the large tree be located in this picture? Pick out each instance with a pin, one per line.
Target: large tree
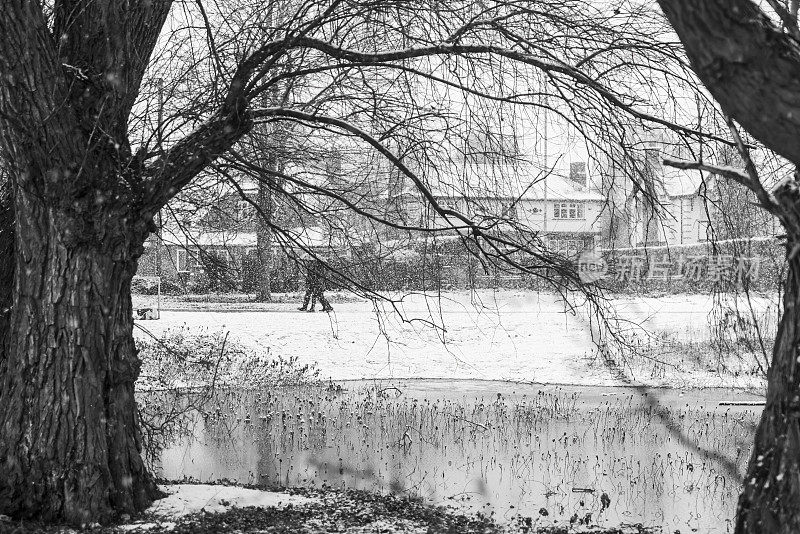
(750, 62)
(91, 159)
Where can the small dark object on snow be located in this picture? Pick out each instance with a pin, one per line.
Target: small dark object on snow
(145, 314)
(543, 512)
(605, 501)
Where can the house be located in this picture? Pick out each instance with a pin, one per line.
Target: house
(219, 233)
(212, 242)
(564, 209)
(684, 207)
(674, 211)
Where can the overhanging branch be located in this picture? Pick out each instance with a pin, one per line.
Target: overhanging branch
(731, 173)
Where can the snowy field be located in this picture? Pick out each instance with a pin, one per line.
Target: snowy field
(487, 335)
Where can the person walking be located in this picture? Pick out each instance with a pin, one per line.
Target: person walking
(315, 286)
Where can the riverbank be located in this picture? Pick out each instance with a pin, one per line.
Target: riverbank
(311, 511)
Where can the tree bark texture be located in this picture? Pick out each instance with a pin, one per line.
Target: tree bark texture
(770, 501)
(6, 261)
(70, 447)
(750, 67)
(73, 223)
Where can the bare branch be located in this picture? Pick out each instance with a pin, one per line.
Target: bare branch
(729, 173)
(789, 20)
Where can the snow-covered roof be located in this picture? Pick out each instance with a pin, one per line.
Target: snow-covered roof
(211, 239)
(308, 237)
(681, 182)
(522, 181)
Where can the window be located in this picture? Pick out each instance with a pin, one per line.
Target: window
(510, 211)
(244, 210)
(181, 263)
(568, 210)
(703, 231)
(186, 261)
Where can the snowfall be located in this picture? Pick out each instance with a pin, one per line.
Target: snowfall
(486, 335)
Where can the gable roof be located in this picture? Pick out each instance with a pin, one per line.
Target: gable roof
(681, 182)
(509, 181)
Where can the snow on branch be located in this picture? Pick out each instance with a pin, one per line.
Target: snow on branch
(731, 173)
(767, 200)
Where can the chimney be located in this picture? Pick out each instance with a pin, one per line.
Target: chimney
(577, 173)
(653, 156)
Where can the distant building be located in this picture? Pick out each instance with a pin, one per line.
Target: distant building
(671, 207)
(566, 211)
(673, 212)
(216, 243)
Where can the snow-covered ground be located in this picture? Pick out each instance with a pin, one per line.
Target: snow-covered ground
(185, 499)
(490, 335)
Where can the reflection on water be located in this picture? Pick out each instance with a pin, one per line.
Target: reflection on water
(556, 454)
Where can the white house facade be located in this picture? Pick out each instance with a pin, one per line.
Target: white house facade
(681, 215)
(564, 209)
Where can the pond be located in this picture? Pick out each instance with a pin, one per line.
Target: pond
(558, 454)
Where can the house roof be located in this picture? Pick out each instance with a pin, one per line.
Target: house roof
(314, 237)
(522, 181)
(681, 182)
(210, 239)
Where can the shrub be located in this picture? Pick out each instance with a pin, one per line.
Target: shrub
(181, 358)
(198, 283)
(142, 285)
(182, 370)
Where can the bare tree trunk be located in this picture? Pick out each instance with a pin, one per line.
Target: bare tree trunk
(70, 447)
(770, 501)
(264, 236)
(771, 498)
(6, 264)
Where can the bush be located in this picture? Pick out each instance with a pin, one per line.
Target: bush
(182, 371)
(284, 276)
(181, 359)
(198, 283)
(149, 286)
(141, 285)
(172, 287)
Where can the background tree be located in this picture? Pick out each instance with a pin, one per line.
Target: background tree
(92, 158)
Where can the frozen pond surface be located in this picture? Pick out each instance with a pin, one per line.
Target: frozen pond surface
(552, 453)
